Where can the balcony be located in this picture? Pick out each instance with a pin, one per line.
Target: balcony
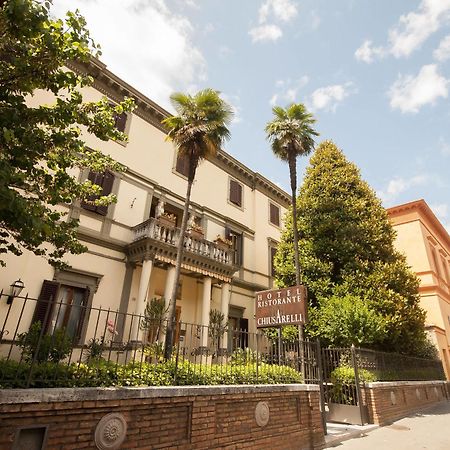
(156, 240)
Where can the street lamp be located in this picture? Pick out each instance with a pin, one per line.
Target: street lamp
(15, 290)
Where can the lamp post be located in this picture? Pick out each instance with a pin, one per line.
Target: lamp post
(15, 290)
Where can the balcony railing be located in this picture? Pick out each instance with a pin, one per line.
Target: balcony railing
(161, 232)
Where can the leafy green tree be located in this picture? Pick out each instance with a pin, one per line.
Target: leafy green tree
(343, 321)
(41, 146)
(347, 249)
(291, 135)
(198, 131)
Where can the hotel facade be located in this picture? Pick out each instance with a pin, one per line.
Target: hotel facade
(235, 223)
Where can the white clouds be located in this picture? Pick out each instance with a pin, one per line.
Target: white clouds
(398, 185)
(442, 53)
(274, 10)
(265, 33)
(284, 10)
(415, 27)
(153, 50)
(288, 90)
(412, 30)
(368, 53)
(329, 97)
(410, 93)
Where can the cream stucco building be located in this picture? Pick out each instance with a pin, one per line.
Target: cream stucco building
(131, 253)
(426, 244)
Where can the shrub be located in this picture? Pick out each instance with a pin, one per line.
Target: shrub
(53, 347)
(101, 373)
(95, 349)
(344, 387)
(242, 356)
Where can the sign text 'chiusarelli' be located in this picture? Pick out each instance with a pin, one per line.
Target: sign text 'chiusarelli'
(281, 307)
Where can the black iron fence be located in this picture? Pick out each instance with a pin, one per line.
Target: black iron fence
(66, 343)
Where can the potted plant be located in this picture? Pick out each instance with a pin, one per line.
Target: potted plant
(196, 231)
(167, 220)
(223, 243)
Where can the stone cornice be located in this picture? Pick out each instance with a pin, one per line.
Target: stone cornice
(116, 89)
(427, 216)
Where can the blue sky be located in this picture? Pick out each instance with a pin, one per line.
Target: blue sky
(375, 75)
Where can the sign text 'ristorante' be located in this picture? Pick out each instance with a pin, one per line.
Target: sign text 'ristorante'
(281, 307)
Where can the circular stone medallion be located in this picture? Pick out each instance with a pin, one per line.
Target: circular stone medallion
(110, 432)
(262, 414)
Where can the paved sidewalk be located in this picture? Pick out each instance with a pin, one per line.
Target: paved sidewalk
(427, 430)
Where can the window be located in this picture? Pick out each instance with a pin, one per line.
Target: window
(182, 165)
(62, 306)
(274, 214)
(272, 253)
(237, 328)
(237, 246)
(235, 193)
(435, 261)
(106, 181)
(120, 121)
(445, 266)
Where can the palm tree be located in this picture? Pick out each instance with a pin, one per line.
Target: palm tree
(198, 131)
(291, 135)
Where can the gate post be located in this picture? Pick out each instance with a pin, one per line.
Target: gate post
(358, 388)
(321, 387)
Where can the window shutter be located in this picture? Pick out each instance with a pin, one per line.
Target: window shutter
(107, 184)
(182, 166)
(93, 178)
(106, 181)
(274, 214)
(82, 314)
(120, 121)
(273, 252)
(235, 193)
(45, 304)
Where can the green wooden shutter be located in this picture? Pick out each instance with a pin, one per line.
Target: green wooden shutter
(45, 304)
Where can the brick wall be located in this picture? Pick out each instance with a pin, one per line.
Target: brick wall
(183, 418)
(390, 401)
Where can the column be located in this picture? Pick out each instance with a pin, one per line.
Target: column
(225, 301)
(206, 306)
(170, 277)
(146, 271)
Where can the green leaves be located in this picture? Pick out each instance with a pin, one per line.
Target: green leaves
(41, 146)
(359, 287)
(201, 126)
(291, 131)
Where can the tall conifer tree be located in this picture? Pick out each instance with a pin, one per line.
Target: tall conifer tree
(346, 245)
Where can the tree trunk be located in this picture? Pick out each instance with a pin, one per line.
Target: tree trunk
(173, 298)
(293, 175)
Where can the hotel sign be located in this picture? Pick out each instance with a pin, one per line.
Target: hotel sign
(281, 307)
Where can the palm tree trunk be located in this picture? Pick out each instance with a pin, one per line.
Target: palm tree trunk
(180, 248)
(293, 175)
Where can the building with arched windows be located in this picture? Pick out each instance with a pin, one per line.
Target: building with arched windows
(426, 244)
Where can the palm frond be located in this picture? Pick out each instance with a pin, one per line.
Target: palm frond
(201, 126)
